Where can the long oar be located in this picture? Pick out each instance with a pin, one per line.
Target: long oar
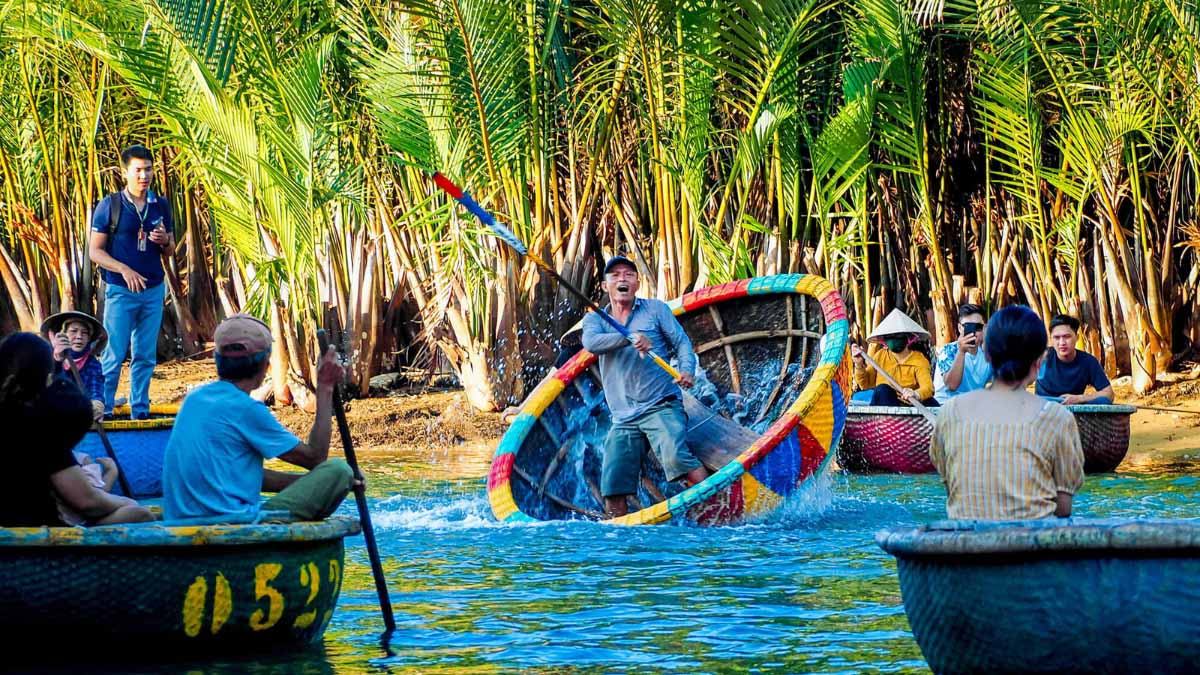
(506, 235)
(896, 385)
(99, 427)
(360, 497)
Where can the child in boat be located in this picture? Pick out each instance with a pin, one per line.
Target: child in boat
(101, 473)
(1005, 453)
(891, 349)
(1067, 372)
(45, 417)
(79, 336)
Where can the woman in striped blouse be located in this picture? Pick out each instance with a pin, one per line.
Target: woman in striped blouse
(1005, 453)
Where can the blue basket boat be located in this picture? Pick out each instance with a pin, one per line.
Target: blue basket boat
(1052, 596)
(185, 588)
(139, 446)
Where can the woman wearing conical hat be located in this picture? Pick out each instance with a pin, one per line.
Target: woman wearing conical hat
(891, 348)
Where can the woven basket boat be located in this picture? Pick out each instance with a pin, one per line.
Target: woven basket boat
(139, 445)
(1052, 596)
(180, 588)
(776, 346)
(896, 439)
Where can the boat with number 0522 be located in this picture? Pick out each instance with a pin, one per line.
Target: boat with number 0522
(764, 416)
(178, 588)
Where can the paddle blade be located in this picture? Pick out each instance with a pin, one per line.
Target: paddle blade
(506, 235)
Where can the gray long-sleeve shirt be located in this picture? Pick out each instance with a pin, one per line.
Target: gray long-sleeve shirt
(632, 384)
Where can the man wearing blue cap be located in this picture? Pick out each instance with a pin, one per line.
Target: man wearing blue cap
(646, 402)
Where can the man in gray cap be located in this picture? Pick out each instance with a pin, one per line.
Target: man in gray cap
(214, 458)
(646, 402)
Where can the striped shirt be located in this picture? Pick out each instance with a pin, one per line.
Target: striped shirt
(1005, 466)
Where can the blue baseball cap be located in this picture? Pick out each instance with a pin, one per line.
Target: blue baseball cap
(618, 260)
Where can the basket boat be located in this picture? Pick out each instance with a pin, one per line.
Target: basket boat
(896, 439)
(139, 446)
(774, 352)
(194, 588)
(1052, 596)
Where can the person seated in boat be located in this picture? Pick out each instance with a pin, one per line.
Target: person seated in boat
(892, 349)
(1004, 453)
(646, 403)
(961, 366)
(101, 473)
(45, 417)
(213, 465)
(1068, 372)
(78, 336)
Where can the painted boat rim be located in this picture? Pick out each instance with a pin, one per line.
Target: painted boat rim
(151, 534)
(905, 411)
(1046, 538)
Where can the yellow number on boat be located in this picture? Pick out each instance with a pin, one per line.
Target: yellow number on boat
(222, 603)
(193, 606)
(310, 576)
(195, 601)
(335, 585)
(264, 573)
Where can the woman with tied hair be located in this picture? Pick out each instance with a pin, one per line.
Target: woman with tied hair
(1005, 453)
(43, 418)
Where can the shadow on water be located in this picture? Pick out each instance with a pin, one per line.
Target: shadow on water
(803, 590)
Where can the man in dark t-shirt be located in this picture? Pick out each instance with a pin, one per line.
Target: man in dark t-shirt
(1067, 372)
(131, 256)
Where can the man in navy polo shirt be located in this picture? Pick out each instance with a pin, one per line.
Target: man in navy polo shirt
(130, 248)
(1067, 372)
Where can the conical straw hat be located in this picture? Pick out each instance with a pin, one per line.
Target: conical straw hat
(897, 322)
(577, 328)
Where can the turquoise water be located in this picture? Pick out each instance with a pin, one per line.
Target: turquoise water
(805, 591)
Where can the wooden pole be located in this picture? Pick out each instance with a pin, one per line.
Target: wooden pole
(896, 385)
(99, 427)
(360, 497)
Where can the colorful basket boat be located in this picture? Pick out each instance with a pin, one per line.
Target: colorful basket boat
(179, 589)
(896, 440)
(774, 346)
(1052, 596)
(139, 446)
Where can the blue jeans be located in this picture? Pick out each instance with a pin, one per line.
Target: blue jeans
(131, 318)
(664, 427)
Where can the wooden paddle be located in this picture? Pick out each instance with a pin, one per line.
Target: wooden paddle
(360, 497)
(896, 385)
(99, 427)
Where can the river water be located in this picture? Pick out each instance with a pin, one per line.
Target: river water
(804, 591)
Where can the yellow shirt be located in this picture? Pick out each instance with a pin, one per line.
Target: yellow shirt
(998, 464)
(912, 373)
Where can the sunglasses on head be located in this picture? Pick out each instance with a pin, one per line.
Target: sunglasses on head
(972, 327)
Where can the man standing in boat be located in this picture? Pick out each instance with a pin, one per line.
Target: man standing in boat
(646, 402)
(131, 234)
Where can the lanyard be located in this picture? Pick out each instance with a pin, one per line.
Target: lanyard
(141, 215)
